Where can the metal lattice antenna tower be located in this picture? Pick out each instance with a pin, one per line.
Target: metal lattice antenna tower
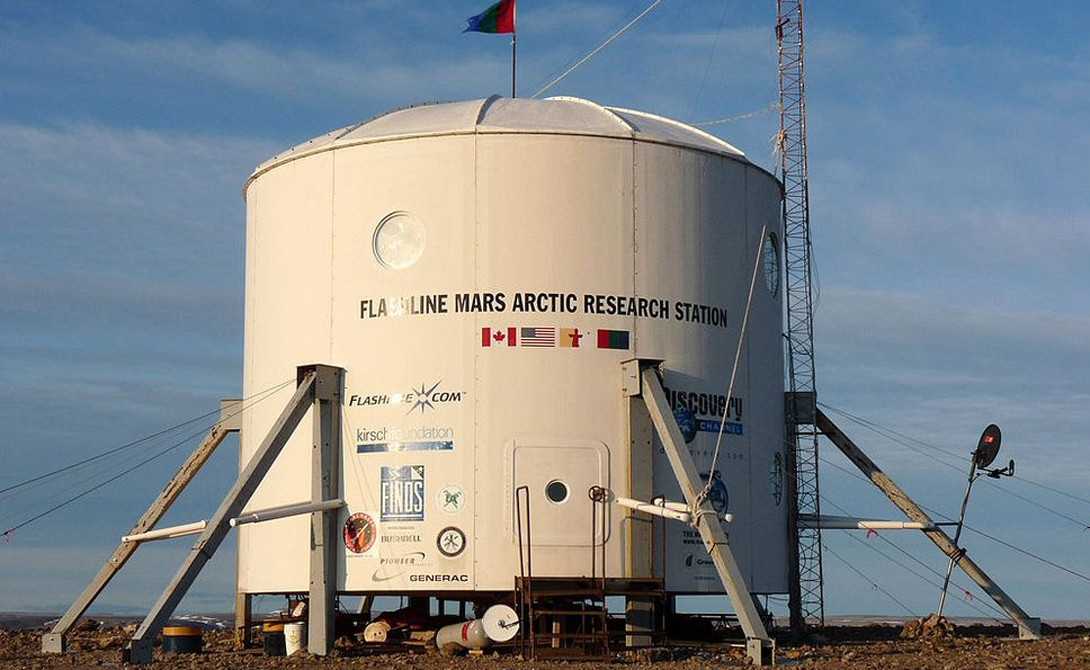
(806, 587)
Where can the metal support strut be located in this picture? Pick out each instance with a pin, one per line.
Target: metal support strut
(1028, 627)
(318, 385)
(54, 642)
(641, 379)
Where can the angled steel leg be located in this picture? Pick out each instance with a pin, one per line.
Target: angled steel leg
(54, 641)
(759, 646)
(139, 649)
(1028, 627)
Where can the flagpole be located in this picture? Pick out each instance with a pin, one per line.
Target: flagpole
(513, 61)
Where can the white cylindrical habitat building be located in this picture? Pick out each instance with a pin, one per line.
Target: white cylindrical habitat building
(481, 269)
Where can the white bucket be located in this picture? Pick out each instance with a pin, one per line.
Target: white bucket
(295, 637)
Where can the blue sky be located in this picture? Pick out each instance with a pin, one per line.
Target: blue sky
(949, 164)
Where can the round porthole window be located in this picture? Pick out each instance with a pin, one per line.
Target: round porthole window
(556, 491)
(399, 240)
(771, 262)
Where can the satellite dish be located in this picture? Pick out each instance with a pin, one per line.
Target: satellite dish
(501, 623)
(988, 446)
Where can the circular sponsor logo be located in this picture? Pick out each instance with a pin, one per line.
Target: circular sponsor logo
(717, 494)
(686, 422)
(360, 533)
(451, 541)
(451, 499)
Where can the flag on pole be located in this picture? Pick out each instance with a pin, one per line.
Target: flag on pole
(499, 18)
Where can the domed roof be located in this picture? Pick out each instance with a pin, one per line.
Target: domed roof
(559, 115)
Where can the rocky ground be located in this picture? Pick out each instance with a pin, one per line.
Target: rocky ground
(866, 647)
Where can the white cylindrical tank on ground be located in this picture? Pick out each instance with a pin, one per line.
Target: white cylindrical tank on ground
(481, 269)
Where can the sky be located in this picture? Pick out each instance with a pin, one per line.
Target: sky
(949, 167)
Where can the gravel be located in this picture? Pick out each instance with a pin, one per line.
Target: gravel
(865, 647)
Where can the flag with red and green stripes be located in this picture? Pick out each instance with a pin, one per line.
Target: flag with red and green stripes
(499, 18)
(612, 339)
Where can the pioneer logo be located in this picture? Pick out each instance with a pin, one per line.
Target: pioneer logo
(391, 567)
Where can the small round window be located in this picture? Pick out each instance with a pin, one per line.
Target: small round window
(771, 262)
(399, 240)
(556, 491)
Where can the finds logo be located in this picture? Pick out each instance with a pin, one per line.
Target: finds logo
(423, 398)
(401, 493)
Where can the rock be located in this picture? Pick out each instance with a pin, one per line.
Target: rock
(649, 655)
(932, 628)
(86, 626)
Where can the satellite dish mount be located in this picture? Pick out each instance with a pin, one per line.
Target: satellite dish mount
(987, 448)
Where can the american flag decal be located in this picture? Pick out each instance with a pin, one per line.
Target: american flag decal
(538, 337)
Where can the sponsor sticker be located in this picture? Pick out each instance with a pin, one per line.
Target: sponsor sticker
(401, 493)
(420, 398)
(399, 538)
(451, 499)
(686, 422)
(439, 578)
(709, 426)
(392, 567)
(393, 439)
(690, 405)
(451, 541)
(360, 533)
(718, 496)
(698, 561)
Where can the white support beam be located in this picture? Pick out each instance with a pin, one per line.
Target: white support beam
(54, 642)
(759, 646)
(284, 511)
(139, 648)
(167, 533)
(656, 510)
(855, 523)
